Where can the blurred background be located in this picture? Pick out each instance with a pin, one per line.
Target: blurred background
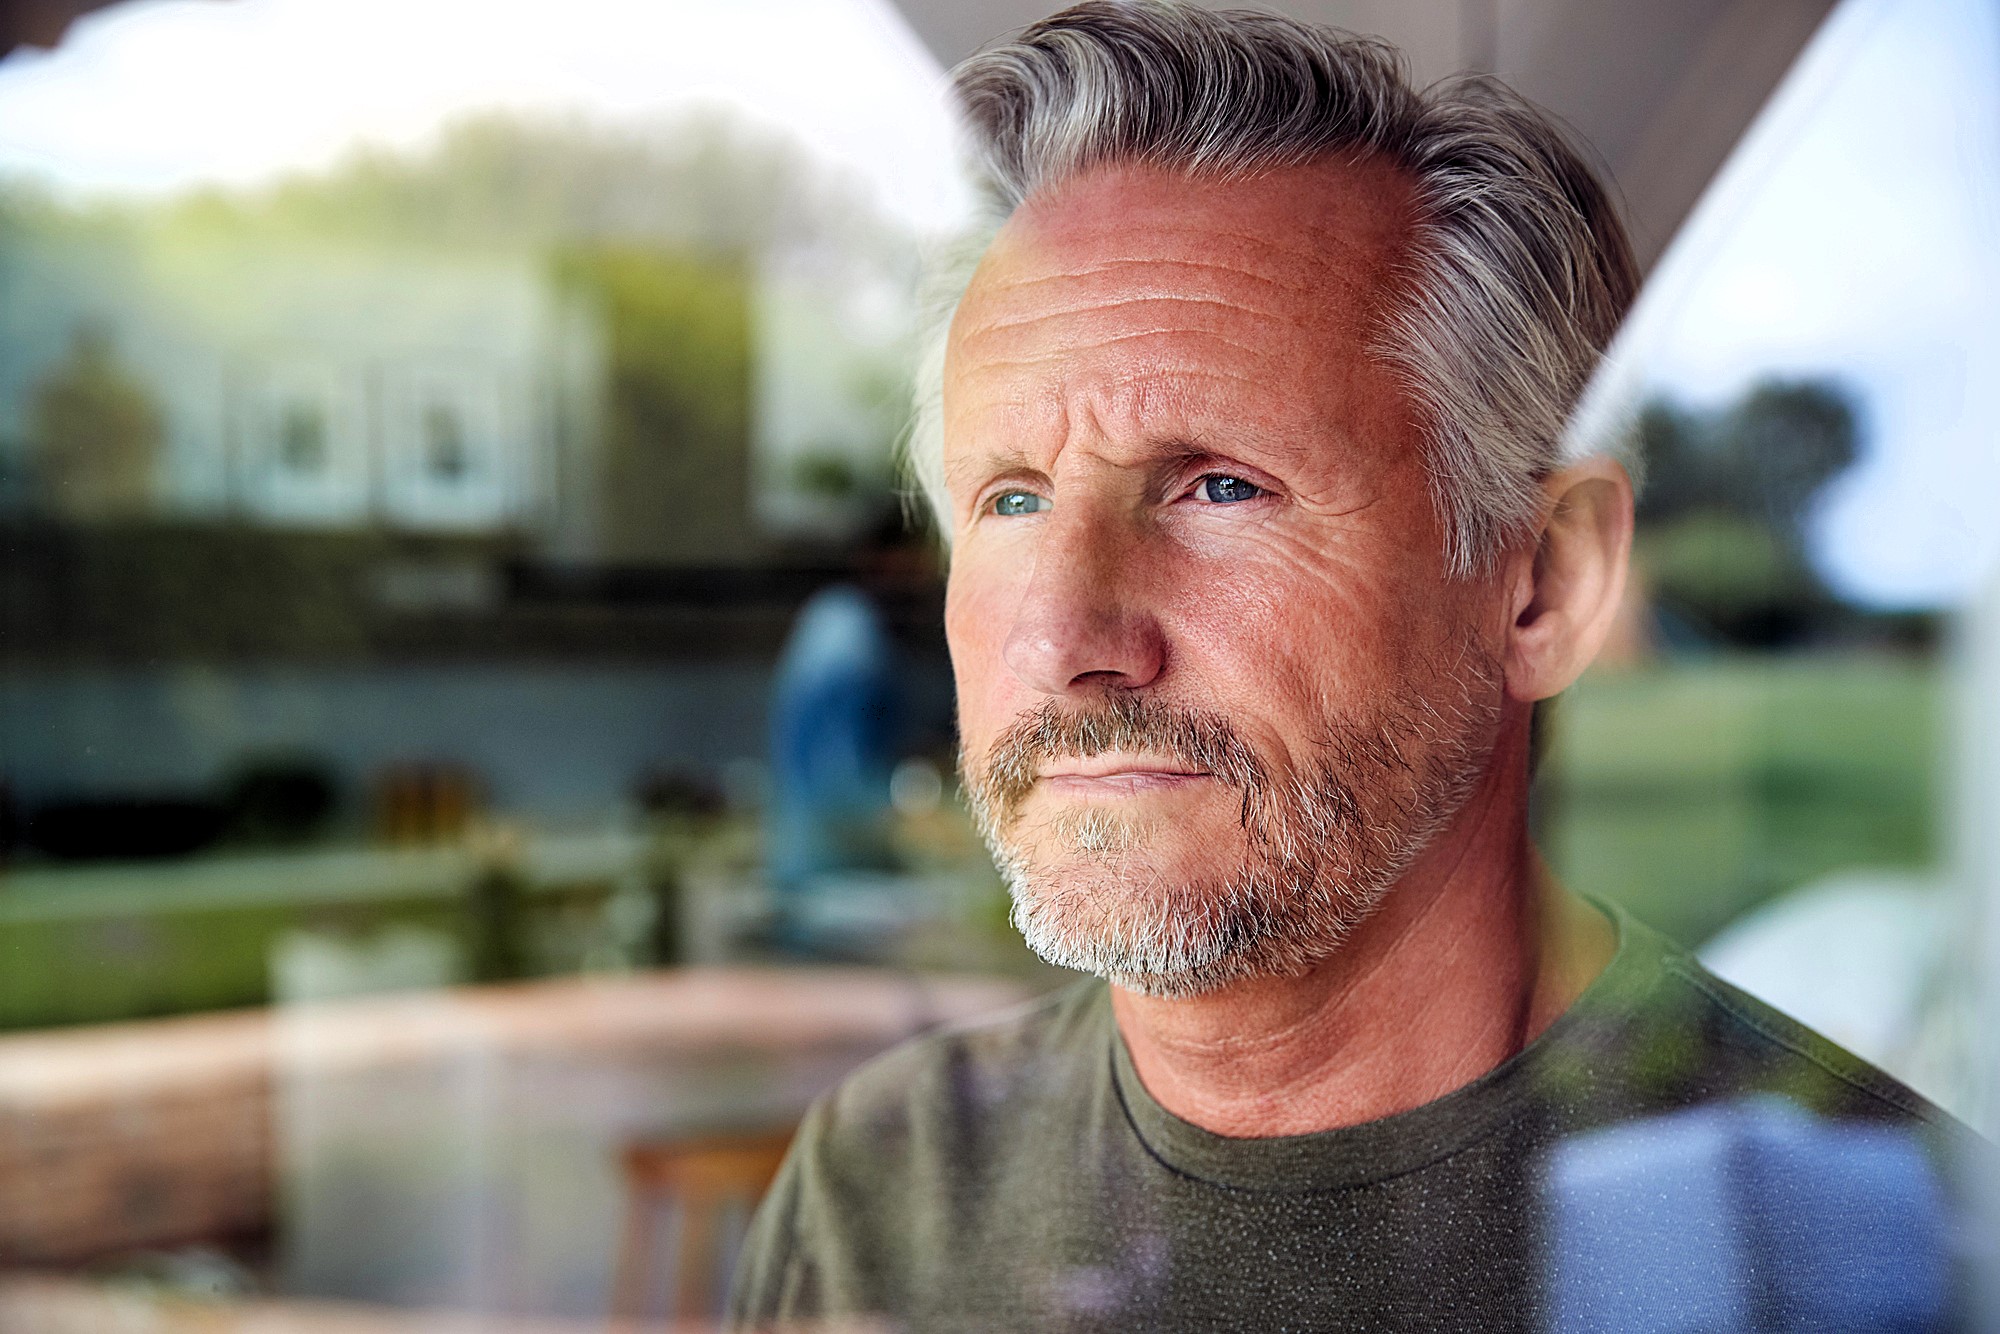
(475, 733)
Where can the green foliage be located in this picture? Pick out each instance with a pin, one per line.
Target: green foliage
(1782, 443)
(1691, 794)
(1763, 457)
(1720, 520)
(706, 180)
(675, 482)
(656, 228)
(1729, 566)
(95, 432)
(826, 472)
(101, 944)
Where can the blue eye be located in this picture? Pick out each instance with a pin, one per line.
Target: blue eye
(1011, 503)
(1225, 490)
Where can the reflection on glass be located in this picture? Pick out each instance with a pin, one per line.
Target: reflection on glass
(302, 438)
(405, 508)
(410, 489)
(447, 454)
(1746, 1215)
(1763, 761)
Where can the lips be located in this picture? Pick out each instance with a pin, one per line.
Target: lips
(1108, 749)
(1110, 776)
(1118, 766)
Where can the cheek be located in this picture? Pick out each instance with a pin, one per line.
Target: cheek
(977, 617)
(1289, 632)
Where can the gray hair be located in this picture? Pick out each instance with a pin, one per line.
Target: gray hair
(1522, 268)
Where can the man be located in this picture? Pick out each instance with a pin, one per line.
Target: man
(1247, 440)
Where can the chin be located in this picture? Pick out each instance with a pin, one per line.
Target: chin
(1265, 873)
(1177, 927)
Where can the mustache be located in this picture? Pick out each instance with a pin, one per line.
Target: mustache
(1197, 738)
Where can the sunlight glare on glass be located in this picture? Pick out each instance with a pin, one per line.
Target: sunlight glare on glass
(157, 95)
(1854, 236)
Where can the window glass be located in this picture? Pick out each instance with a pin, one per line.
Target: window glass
(476, 741)
(430, 435)
(1760, 765)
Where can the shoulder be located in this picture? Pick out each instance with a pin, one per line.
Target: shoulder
(1768, 1035)
(883, 1169)
(1686, 1035)
(946, 1116)
(973, 1078)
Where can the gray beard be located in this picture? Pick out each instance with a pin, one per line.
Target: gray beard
(1321, 848)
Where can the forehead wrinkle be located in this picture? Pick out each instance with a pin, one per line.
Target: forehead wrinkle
(1130, 336)
(1311, 274)
(1121, 402)
(1006, 303)
(1332, 218)
(1133, 416)
(1113, 267)
(992, 326)
(1326, 272)
(987, 329)
(1324, 256)
(1309, 239)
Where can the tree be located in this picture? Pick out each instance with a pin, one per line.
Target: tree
(704, 181)
(95, 431)
(674, 477)
(1727, 495)
(1783, 442)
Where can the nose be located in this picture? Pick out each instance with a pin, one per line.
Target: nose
(1084, 622)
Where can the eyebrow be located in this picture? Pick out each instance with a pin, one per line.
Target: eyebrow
(989, 464)
(1166, 449)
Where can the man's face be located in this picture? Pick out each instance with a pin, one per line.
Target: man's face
(1215, 689)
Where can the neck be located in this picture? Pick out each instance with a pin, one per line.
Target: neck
(1473, 953)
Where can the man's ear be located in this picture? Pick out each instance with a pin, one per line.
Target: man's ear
(1565, 602)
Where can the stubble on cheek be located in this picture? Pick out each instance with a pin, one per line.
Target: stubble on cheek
(1269, 883)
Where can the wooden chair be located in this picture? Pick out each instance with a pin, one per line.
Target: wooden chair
(705, 1175)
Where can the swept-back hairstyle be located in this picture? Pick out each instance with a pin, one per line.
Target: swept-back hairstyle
(1520, 267)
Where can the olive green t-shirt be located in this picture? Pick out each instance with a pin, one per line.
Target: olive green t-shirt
(1017, 1175)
